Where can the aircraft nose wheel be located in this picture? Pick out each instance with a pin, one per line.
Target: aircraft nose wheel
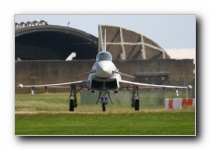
(103, 106)
(104, 99)
(104, 102)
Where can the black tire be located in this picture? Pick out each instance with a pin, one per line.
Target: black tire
(103, 106)
(71, 105)
(136, 104)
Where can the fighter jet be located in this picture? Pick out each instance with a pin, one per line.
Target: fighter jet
(104, 77)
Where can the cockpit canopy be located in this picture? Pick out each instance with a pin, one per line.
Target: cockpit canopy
(104, 56)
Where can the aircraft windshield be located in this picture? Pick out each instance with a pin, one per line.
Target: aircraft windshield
(104, 56)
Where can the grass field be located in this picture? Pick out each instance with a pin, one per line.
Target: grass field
(47, 114)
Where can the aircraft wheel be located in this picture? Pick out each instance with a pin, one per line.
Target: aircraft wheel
(71, 105)
(136, 104)
(103, 106)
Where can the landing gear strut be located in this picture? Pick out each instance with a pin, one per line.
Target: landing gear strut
(135, 98)
(73, 98)
(104, 98)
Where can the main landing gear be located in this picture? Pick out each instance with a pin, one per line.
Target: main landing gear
(104, 98)
(135, 102)
(73, 98)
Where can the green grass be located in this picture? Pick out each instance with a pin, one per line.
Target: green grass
(42, 102)
(59, 102)
(47, 114)
(137, 123)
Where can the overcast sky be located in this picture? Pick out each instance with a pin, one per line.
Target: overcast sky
(169, 31)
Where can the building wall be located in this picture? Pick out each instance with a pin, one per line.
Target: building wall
(46, 72)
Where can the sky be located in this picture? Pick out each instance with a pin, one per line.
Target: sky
(169, 31)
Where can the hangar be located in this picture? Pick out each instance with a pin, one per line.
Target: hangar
(50, 42)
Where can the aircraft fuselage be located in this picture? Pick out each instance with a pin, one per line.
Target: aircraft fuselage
(104, 76)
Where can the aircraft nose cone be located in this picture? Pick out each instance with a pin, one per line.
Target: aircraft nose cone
(103, 70)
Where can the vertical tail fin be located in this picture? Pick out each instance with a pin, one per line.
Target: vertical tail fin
(104, 40)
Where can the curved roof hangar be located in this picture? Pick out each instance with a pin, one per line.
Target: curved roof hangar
(50, 42)
(125, 44)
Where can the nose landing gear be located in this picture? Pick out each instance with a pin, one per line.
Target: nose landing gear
(104, 99)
